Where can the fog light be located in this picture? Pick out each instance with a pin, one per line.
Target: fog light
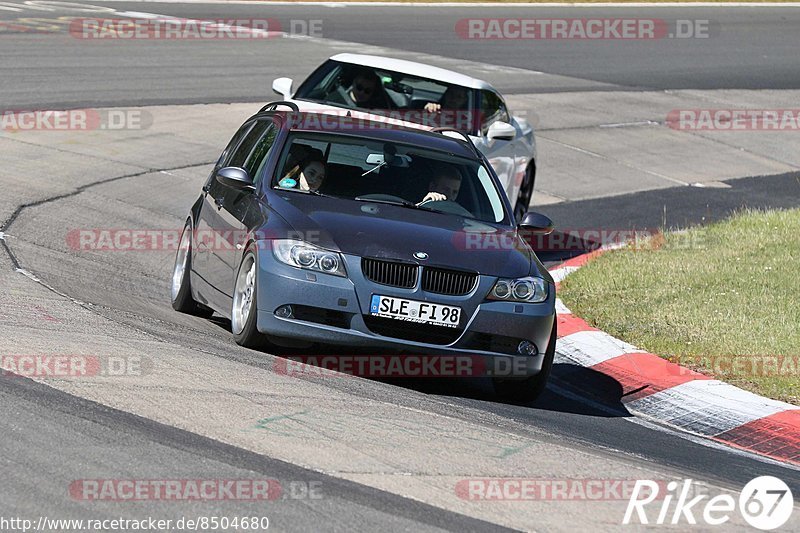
(526, 348)
(284, 311)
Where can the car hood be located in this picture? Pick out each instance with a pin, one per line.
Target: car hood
(368, 229)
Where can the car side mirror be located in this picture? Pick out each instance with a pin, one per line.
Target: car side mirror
(283, 87)
(502, 131)
(536, 223)
(235, 178)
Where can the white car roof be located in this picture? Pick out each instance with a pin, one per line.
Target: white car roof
(317, 107)
(414, 69)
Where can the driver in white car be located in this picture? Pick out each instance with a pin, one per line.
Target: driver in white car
(367, 90)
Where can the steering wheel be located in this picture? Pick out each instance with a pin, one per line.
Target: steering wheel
(379, 197)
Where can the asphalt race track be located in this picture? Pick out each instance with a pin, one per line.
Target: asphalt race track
(349, 454)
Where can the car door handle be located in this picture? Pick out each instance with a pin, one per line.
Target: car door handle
(220, 202)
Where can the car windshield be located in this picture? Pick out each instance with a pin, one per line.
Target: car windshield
(385, 92)
(363, 169)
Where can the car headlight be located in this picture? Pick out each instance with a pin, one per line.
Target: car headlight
(303, 255)
(531, 290)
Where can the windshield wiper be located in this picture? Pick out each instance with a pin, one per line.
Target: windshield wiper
(300, 191)
(317, 193)
(401, 203)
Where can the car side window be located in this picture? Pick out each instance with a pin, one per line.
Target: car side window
(235, 140)
(245, 148)
(492, 109)
(260, 154)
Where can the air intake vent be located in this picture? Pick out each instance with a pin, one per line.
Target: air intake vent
(390, 273)
(451, 282)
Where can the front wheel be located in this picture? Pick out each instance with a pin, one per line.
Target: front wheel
(244, 313)
(529, 389)
(525, 193)
(181, 290)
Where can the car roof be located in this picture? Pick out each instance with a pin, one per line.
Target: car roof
(414, 69)
(311, 122)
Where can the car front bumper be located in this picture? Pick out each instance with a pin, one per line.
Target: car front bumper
(334, 310)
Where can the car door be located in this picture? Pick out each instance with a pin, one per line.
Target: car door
(203, 237)
(224, 209)
(501, 153)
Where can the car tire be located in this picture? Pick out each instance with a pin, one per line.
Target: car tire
(529, 389)
(525, 195)
(244, 310)
(181, 289)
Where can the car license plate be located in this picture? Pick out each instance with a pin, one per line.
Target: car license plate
(413, 311)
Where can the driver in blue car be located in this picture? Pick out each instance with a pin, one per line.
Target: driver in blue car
(444, 186)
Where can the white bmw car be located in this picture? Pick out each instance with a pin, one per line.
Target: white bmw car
(426, 97)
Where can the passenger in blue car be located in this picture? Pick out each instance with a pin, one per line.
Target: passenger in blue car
(307, 175)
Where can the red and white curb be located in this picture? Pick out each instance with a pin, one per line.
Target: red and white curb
(657, 389)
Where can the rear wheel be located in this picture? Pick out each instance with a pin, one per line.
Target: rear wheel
(181, 290)
(529, 389)
(525, 192)
(244, 313)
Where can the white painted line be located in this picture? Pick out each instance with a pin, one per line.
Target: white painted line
(562, 309)
(566, 390)
(618, 161)
(706, 407)
(560, 273)
(471, 4)
(589, 348)
(627, 124)
(209, 23)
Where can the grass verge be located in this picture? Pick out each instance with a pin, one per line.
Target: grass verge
(722, 299)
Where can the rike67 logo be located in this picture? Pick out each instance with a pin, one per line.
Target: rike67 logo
(765, 503)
